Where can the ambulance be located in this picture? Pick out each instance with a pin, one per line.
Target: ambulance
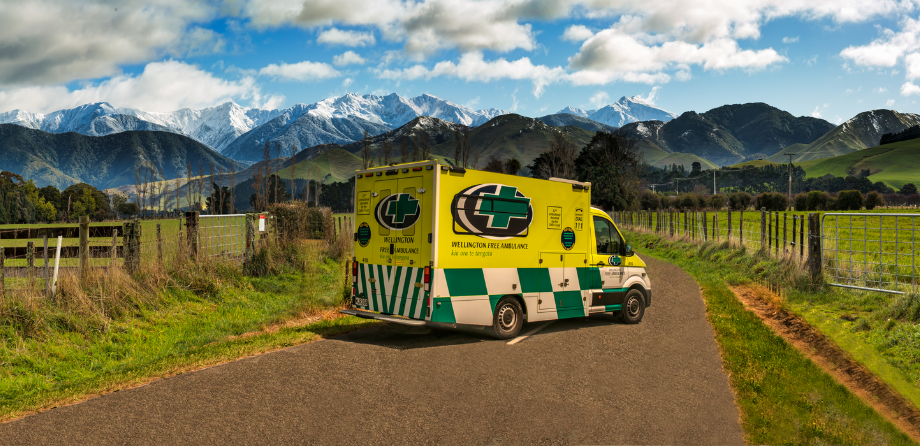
(450, 247)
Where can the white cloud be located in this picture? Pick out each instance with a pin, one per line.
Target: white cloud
(889, 103)
(162, 86)
(848, 91)
(790, 39)
(912, 62)
(348, 58)
(888, 49)
(812, 60)
(347, 82)
(612, 55)
(472, 67)
(47, 42)
(301, 71)
(652, 94)
(599, 100)
(577, 33)
(909, 89)
(819, 110)
(335, 36)
(514, 101)
(472, 103)
(880, 90)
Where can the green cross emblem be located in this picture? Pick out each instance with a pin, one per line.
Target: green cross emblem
(399, 208)
(500, 212)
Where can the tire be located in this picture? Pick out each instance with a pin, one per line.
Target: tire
(633, 307)
(507, 319)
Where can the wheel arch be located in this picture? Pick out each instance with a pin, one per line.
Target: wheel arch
(520, 299)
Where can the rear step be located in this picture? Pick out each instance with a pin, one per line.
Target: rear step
(384, 317)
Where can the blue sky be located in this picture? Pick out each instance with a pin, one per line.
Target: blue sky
(831, 59)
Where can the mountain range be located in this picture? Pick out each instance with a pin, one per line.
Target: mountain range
(623, 111)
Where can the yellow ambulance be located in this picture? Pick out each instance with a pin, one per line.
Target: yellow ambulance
(451, 247)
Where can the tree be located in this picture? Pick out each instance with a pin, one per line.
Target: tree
(696, 168)
(366, 159)
(44, 211)
(52, 195)
(558, 161)
(908, 189)
(404, 152)
(739, 200)
(494, 165)
(849, 200)
(219, 200)
(874, 200)
(387, 151)
(717, 201)
(649, 200)
(610, 162)
(512, 166)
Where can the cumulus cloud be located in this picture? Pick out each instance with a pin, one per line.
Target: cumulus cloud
(790, 39)
(51, 42)
(599, 100)
(887, 49)
(889, 103)
(819, 109)
(909, 89)
(301, 71)
(472, 67)
(577, 33)
(336, 36)
(348, 58)
(651, 95)
(880, 90)
(614, 55)
(162, 86)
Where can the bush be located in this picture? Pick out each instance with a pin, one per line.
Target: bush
(771, 201)
(800, 201)
(688, 201)
(649, 201)
(717, 201)
(818, 200)
(874, 200)
(849, 200)
(739, 200)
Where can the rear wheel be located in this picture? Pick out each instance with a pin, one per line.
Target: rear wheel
(507, 319)
(633, 307)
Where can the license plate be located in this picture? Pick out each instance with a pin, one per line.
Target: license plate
(360, 301)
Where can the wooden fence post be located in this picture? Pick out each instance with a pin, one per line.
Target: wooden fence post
(705, 230)
(785, 220)
(795, 219)
(715, 226)
(84, 244)
(769, 232)
(159, 247)
(741, 228)
(2, 272)
(47, 270)
(191, 225)
(814, 246)
(728, 227)
(250, 238)
(130, 248)
(113, 253)
(802, 239)
(763, 227)
(30, 263)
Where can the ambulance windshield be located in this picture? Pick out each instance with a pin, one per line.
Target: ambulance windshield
(608, 239)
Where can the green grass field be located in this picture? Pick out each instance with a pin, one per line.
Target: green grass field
(784, 398)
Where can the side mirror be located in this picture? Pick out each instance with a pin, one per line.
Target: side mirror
(629, 251)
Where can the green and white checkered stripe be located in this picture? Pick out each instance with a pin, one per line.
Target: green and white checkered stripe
(469, 295)
(393, 289)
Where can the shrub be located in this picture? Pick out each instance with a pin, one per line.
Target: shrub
(649, 200)
(818, 200)
(688, 201)
(874, 200)
(849, 200)
(739, 200)
(717, 201)
(800, 201)
(771, 201)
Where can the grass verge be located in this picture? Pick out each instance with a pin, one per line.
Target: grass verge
(782, 395)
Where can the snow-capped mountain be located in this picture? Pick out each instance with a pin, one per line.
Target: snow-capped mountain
(339, 120)
(343, 120)
(215, 127)
(624, 111)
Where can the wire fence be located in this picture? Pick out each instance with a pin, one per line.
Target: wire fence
(868, 251)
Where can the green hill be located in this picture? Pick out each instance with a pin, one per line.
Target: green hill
(894, 164)
(102, 161)
(862, 131)
(685, 159)
(515, 136)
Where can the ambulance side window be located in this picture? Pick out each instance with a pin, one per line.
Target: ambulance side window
(608, 239)
(383, 229)
(410, 230)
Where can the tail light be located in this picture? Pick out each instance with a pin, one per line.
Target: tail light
(354, 272)
(427, 278)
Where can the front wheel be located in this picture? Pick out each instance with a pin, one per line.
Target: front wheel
(633, 307)
(507, 319)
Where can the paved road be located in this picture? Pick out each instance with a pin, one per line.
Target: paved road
(587, 381)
